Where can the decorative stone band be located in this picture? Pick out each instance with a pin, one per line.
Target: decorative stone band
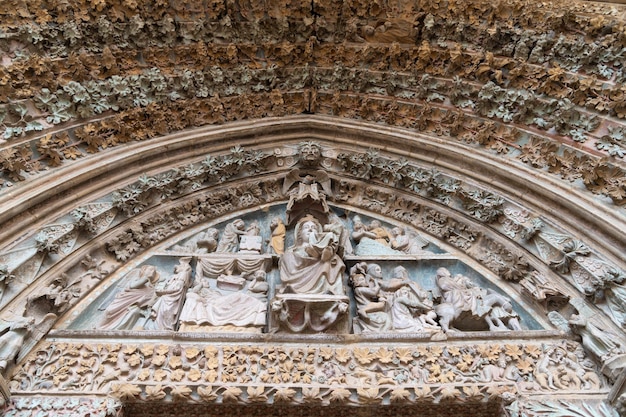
(67, 406)
(361, 374)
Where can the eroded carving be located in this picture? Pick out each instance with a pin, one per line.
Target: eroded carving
(201, 243)
(170, 292)
(462, 299)
(131, 306)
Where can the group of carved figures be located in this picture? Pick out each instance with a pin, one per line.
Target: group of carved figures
(400, 304)
(230, 288)
(152, 303)
(231, 291)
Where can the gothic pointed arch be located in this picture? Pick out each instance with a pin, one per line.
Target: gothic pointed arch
(275, 206)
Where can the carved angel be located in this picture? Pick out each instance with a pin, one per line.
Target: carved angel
(407, 242)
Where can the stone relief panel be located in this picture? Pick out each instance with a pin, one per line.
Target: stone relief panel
(308, 185)
(341, 374)
(332, 271)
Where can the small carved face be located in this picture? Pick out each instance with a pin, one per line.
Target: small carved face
(404, 291)
(307, 229)
(443, 272)
(358, 280)
(310, 153)
(559, 354)
(375, 271)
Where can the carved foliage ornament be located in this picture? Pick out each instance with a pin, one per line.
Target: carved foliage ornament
(340, 375)
(518, 73)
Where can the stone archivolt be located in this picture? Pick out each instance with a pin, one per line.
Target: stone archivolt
(447, 209)
(502, 130)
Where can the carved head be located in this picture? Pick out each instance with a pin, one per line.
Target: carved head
(443, 272)
(397, 231)
(183, 263)
(375, 224)
(358, 280)
(275, 222)
(305, 227)
(310, 153)
(374, 271)
(150, 272)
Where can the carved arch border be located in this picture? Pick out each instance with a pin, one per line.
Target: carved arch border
(514, 182)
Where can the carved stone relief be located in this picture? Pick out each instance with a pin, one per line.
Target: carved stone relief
(318, 284)
(356, 374)
(252, 265)
(535, 86)
(508, 264)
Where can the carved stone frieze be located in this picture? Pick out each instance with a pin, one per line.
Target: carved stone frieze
(170, 207)
(253, 373)
(561, 407)
(27, 406)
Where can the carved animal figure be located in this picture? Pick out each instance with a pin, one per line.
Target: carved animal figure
(462, 298)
